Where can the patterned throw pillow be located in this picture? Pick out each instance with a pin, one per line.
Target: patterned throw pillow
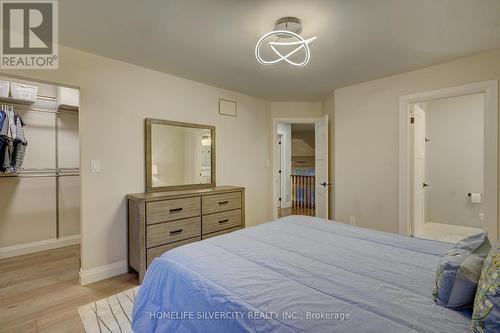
(486, 314)
(459, 271)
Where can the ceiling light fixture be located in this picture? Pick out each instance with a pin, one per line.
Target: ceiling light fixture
(286, 27)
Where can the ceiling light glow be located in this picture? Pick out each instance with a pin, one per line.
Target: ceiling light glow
(300, 42)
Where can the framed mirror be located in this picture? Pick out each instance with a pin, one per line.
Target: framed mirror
(179, 155)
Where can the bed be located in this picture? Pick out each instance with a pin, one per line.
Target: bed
(297, 274)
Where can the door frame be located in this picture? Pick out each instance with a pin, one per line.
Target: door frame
(280, 174)
(490, 90)
(275, 153)
(413, 189)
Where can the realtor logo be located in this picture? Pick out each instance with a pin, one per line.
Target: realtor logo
(29, 35)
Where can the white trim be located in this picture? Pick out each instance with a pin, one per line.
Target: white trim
(490, 89)
(49, 244)
(275, 150)
(103, 272)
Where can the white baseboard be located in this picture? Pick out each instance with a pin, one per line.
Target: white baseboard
(49, 244)
(103, 272)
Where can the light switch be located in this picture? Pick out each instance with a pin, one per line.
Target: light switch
(95, 166)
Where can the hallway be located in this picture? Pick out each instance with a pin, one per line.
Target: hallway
(282, 212)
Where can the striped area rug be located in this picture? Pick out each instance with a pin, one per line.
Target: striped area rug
(109, 315)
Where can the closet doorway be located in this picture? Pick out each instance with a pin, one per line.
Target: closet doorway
(40, 202)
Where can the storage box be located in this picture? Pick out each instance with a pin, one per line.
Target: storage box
(23, 92)
(4, 88)
(68, 98)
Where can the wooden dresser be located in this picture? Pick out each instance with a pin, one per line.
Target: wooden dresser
(161, 221)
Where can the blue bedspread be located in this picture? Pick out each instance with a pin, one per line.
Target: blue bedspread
(297, 274)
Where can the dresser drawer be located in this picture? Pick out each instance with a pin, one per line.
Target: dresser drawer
(221, 221)
(218, 233)
(221, 202)
(168, 232)
(170, 210)
(159, 250)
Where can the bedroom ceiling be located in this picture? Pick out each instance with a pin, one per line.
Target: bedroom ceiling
(212, 41)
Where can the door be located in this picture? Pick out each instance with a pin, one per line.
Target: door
(321, 158)
(280, 171)
(417, 130)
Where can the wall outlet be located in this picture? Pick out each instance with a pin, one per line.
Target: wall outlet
(481, 216)
(352, 220)
(95, 166)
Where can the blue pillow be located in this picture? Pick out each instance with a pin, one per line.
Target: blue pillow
(486, 314)
(459, 271)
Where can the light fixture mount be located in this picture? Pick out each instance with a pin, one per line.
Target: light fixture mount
(285, 28)
(289, 23)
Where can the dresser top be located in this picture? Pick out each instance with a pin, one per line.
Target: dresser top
(183, 193)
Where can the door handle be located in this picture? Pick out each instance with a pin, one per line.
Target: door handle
(425, 185)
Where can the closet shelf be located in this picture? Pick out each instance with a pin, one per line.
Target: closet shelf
(43, 172)
(11, 100)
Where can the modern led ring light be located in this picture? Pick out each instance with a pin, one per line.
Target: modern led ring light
(285, 28)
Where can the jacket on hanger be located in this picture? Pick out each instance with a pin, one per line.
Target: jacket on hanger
(12, 141)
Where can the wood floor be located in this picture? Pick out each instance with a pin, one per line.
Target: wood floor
(282, 212)
(41, 293)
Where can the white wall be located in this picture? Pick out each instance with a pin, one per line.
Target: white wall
(115, 99)
(366, 136)
(454, 159)
(286, 164)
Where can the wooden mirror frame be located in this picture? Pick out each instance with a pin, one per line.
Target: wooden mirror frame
(149, 176)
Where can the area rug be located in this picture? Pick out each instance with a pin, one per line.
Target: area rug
(112, 314)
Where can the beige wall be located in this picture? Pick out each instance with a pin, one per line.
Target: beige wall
(295, 109)
(366, 136)
(115, 99)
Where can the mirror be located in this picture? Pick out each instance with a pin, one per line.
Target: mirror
(179, 155)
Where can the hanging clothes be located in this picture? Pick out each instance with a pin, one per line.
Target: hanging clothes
(12, 140)
(20, 144)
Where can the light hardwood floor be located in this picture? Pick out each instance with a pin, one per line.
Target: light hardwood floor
(282, 212)
(40, 292)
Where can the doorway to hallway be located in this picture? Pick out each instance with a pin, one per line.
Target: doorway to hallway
(301, 168)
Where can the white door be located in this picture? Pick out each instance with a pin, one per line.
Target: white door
(321, 157)
(418, 169)
(280, 171)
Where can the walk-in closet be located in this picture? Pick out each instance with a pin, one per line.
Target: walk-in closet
(40, 201)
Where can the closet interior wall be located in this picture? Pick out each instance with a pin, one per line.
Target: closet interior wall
(40, 206)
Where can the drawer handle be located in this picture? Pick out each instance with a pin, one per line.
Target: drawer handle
(224, 221)
(223, 202)
(176, 210)
(175, 232)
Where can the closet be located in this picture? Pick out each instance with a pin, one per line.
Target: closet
(40, 204)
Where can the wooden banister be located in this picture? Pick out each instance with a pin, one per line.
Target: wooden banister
(303, 191)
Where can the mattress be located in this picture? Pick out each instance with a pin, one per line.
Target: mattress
(297, 274)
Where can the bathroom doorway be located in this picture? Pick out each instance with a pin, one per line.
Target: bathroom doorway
(451, 163)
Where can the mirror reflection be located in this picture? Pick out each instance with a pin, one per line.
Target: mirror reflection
(180, 155)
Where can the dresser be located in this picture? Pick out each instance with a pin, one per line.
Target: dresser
(161, 221)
